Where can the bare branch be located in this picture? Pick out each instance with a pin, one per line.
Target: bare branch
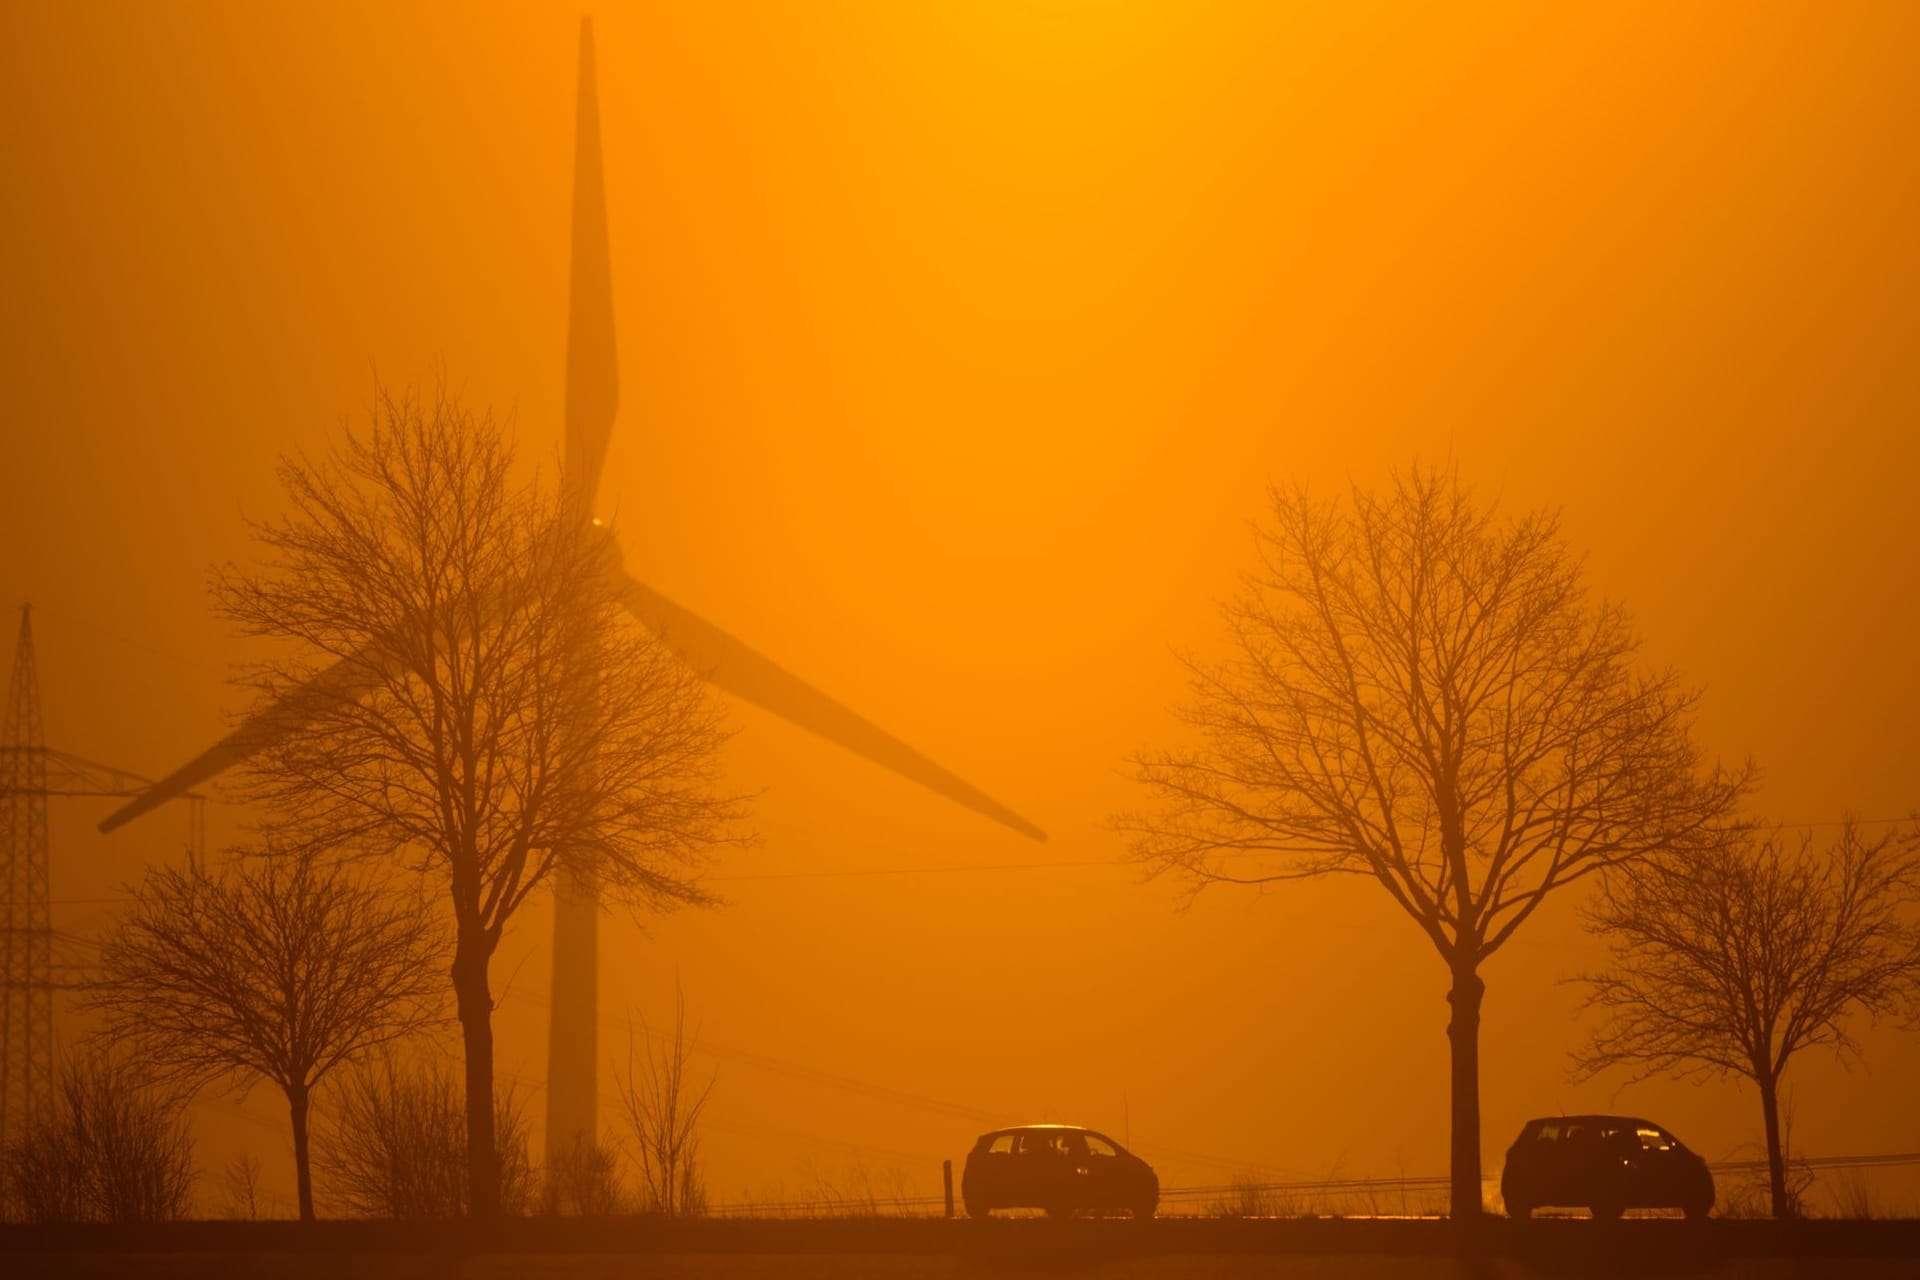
(276, 966)
(1735, 959)
(664, 1102)
(496, 714)
(1420, 691)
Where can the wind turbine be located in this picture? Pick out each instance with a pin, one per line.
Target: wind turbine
(592, 397)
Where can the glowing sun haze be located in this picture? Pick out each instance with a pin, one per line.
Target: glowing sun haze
(958, 345)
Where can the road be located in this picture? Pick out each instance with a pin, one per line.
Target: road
(923, 1249)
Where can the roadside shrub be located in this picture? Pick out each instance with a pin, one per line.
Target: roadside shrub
(584, 1181)
(396, 1146)
(115, 1148)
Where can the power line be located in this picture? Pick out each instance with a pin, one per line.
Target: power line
(887, 1093)
(1842, 822)
(975, 868)
(92, 629)
(799, 1071)
(963, 868)
(944, 869)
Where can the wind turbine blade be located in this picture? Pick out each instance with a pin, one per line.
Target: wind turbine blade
(593, 374)
(743, 671)
(346, 679)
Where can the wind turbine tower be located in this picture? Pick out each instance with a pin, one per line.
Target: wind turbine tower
(728, 663)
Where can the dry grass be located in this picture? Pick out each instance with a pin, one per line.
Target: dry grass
(855, 1191)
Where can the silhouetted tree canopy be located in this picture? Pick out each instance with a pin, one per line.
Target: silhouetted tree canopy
(475, 703)
(1420, 691)
(1733, 960)
(276, 967)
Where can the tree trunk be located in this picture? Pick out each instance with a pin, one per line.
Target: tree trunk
(1463, 1030)
(475, 1006)
(297, 1099)
(1776, 1158)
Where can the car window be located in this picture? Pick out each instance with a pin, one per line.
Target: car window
(1619, 1139)
(1099, 1146)
(1652, 1139)
(1576, 1133)
(1037, 1144)
(1001, 1146)
(1549, 1132)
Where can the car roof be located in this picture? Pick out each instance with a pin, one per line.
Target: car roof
(1595, 1119)
(1045, 1128)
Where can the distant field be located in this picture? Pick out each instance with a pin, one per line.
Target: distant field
(913, 1249)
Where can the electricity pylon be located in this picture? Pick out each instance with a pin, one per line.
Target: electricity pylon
(29, 975)
(26, 1024)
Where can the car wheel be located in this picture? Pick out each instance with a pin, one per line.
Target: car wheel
(1606, 1211)
(1143, 1212)
(1060, 1211)
(976, 1209)
(1519, 1212)
(1696, 1211)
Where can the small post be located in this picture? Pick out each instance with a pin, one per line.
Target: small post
(946, 1176)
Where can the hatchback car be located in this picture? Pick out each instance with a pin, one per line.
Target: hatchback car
(1061, 1168)
(1607, 1164)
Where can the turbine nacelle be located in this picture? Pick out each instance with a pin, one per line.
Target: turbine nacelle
(605, 547)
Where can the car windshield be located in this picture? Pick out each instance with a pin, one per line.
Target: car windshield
(1652, 1139)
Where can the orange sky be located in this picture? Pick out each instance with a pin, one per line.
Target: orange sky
(958, 344)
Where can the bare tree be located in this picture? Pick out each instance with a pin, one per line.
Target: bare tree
(242, 1192)
(473, 701)
(274, 967)
(115, 1148)
(397, 1144)
(664, 1102)
(1732, 961)
(1420, 692)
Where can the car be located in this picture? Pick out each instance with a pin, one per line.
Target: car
(1606, 1164)
(1061, 1168)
